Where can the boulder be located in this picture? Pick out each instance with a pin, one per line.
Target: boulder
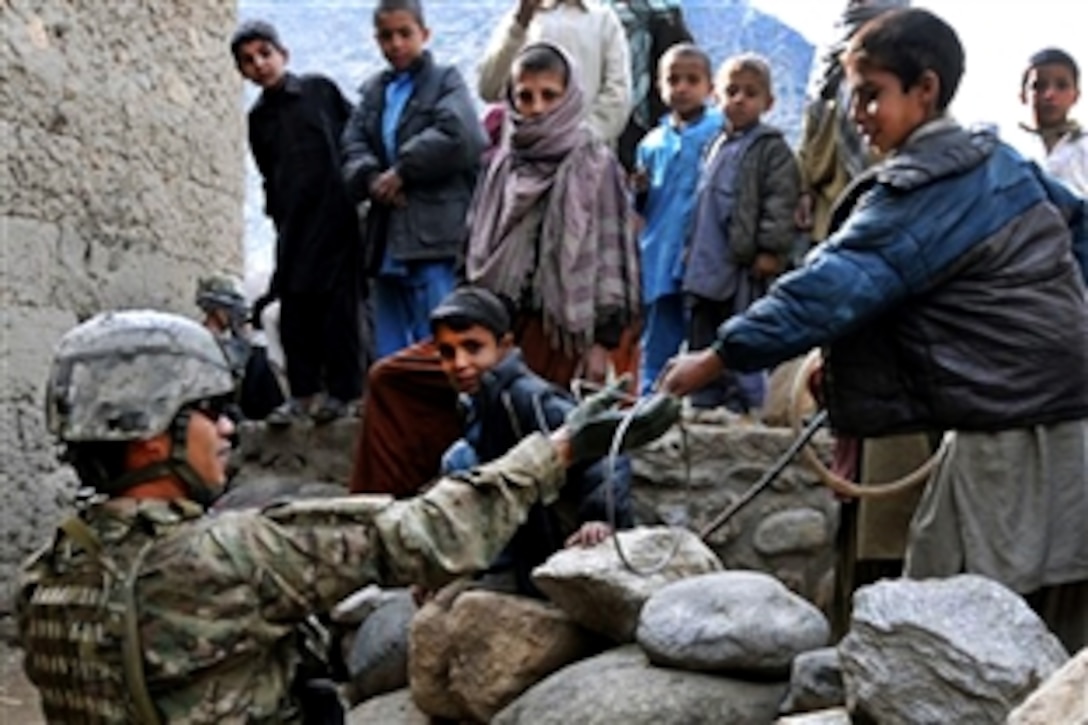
(503, 644)
(430, 648)
(355, 608)
(815, 682)
(1063, 698)
(599, 592)
(621, 686)
(744, 622)
(395, 708)
(962, 649)
(474, 652)
(378, 661)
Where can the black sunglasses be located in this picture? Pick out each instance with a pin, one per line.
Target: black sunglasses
(212, 408)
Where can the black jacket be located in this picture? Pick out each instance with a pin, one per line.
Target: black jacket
(439, 144)
(512, 403)
(294, 134)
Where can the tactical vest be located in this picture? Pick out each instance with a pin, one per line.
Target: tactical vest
(81, 635)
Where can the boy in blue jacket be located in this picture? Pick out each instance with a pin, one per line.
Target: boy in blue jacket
(503, 402)
(950, 296)
(411, 150)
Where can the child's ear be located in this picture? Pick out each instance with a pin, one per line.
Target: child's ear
(506, 341)
(770, 102)
(929, 86)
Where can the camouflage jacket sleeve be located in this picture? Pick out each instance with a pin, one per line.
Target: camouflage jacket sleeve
(307, 555)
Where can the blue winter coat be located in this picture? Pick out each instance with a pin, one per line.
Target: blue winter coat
(950, 297)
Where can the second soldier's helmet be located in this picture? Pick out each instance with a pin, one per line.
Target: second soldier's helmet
(221, 291)
(124, 376)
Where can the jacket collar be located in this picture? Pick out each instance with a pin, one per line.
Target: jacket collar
(500, 377)
(936, 150)
(421, 65)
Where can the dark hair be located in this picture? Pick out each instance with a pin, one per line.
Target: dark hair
(541, 58)
(414, 7)
(1051, 56)
(251, 30)
(907, 43)
(686, 50)
(469, 306)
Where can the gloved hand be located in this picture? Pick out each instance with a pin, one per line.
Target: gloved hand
(593, 424)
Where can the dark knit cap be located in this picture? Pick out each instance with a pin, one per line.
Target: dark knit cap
(251, 30)
(467, 306)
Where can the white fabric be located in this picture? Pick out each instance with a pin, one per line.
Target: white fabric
(1010, 505)
(592, 35)
(1068, 161)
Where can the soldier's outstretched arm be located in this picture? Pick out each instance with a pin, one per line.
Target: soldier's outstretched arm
(463, 522)
(307, 555)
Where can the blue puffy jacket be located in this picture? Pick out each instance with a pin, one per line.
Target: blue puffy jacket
(949, 297)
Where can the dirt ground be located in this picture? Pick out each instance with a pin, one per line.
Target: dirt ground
(18, 699)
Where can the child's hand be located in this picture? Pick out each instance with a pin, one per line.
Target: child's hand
(591, 533)
(386, 187)
(526, 10)
(766, 265)
(595, 364)
(640, 181)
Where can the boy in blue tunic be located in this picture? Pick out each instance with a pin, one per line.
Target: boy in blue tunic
(949, 296)
(667, 167)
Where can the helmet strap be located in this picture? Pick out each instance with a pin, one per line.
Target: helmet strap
(176, 465)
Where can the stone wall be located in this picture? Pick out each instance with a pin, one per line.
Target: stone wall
(123, 143)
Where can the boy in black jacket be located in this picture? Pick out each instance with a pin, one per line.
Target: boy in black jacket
(504, 401)
(411, 150)
(294, 134)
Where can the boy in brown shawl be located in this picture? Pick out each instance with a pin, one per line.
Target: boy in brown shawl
(550, 225)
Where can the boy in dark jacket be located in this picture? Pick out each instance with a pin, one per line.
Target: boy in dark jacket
(950, 297)
(742, 229)
(294, 134)
(411, 150)
(504, 402)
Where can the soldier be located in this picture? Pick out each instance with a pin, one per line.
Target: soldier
(226, 314)
(145, 610)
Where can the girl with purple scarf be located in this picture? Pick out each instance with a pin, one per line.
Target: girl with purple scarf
(550, 225)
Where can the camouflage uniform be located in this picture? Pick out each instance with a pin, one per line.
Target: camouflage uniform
(220, 597)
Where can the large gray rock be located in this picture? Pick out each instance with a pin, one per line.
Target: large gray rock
(378, 661)
(621, 686)
(356, 607)
(599, 592)
(831, 716)
(395, 708)
(743, 622)
(1063, 698)
(963, 649)
(815, 682)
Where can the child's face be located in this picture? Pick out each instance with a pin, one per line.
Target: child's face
(886, 114)
(1051, 91)
(262, 63)
(685, 86)
(401, 38)
(744, 98)
(536, 93)
(467, 355)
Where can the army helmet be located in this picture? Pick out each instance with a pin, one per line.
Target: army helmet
(124, 376)
(223, 291)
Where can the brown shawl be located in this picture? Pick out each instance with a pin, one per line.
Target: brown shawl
(579, 267)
